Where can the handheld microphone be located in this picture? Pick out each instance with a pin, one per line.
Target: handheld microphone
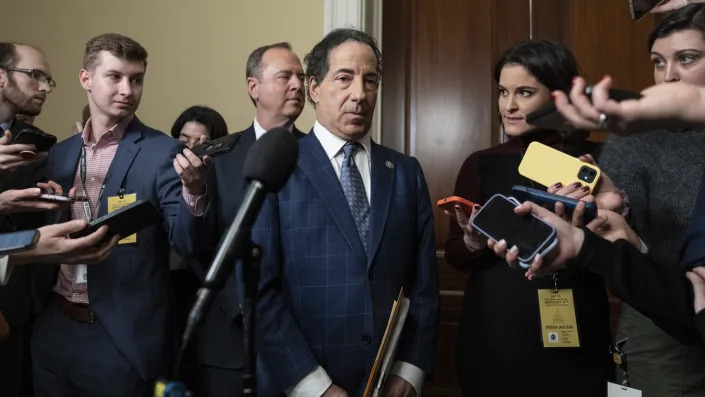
(268, 165)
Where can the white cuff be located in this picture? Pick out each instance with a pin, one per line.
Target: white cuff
(314, 384)
(410, 373)
(5, 270)
(644, 249)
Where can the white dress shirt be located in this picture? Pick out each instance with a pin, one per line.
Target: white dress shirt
(318, 381)
(259, 131)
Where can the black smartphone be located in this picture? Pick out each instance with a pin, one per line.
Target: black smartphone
(498, 221)
(125, 221)
(18, 241)
(61, 198)
(523, 193)
(639, 8)
(217, 147)
(550, 118)
(31, 135)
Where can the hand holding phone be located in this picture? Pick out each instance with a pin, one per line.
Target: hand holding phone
(531, 235)
(546, 165)
(27, 200)
(550, 118)
(17, 155)
(474, 241)
(567, 241)
(523, 193)
(53, 245)
(29, 134)
(125, 221)
(216, 147)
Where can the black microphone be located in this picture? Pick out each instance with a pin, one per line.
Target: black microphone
(268, 165)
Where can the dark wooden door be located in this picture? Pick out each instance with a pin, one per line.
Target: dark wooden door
(439, 97)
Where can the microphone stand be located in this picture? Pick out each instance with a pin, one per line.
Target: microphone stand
(250, 273)
(236, 244)
(250, 269)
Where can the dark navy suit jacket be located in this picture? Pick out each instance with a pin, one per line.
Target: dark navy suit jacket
(130, 292)
(221, 339)
(323, 300)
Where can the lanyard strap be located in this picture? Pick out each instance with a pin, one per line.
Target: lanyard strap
(86, 204)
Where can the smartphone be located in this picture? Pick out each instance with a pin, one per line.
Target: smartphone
(449, 203)
(18, 241)
(126, 221)
(547, 166)
(217, 147)
(639, 8)
(31, 135)
(523, 193)
(498, 221)
(550, 118)
(61, 198)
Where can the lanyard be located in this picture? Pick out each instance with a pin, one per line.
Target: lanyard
(86, 204)
(620, 358)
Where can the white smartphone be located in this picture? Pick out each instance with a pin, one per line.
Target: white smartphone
(61, 198)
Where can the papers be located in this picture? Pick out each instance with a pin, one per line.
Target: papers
(388, 347)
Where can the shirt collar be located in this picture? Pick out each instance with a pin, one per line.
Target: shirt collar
(333, 144)
(114, 134)
(259, 131)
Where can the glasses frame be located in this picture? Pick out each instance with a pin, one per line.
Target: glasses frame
(35, 74)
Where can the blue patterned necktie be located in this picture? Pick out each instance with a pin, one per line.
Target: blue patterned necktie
(354, 190)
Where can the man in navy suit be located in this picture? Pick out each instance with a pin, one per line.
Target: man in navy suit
(275, 83)
(352, 226)
(107, 329)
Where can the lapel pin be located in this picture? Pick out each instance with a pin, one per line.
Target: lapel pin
(389, 164)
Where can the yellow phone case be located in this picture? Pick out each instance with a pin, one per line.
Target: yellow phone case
(548, 166)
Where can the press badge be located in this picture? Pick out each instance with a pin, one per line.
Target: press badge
(117, 202)
(615, 390)
(559, 327)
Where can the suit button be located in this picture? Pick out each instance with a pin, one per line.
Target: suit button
(366, 339)
(372, 276)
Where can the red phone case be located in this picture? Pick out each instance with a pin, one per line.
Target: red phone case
(449, 203)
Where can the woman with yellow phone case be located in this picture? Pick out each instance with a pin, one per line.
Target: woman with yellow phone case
(502, 346)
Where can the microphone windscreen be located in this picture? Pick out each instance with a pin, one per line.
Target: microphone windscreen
(272, 159)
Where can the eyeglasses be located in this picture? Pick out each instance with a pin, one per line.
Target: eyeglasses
(37, 75)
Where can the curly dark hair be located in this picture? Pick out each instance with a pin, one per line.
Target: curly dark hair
(317, 61)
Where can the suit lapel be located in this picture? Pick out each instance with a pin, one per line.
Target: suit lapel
(247, 140)
(125, 155)
(297, 133)
(314, 162)
(230, 180)
(382, 184)
(66, 164)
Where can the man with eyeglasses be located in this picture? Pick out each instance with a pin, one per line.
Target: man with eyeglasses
(25, 82)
